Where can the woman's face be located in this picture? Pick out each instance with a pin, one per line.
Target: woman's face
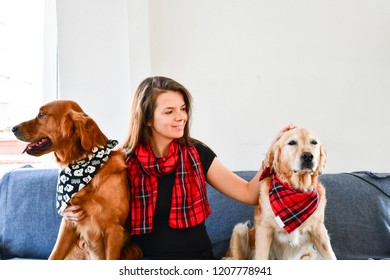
(169, 117)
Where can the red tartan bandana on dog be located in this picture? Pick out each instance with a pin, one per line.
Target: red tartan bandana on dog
(189, 199)
(290, 206)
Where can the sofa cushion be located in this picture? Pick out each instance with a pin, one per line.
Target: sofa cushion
(357, 214)
(29, 222)
(226, 213)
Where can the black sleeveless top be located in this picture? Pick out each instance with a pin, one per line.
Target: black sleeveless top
(165, 242)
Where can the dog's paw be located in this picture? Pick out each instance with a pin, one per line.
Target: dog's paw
(242, 228)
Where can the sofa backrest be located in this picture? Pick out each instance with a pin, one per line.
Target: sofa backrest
(357, 214)
(225, 214)
(29, 222)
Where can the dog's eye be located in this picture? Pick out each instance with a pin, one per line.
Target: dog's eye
(41, 115)
(313, 142)
(292, 143)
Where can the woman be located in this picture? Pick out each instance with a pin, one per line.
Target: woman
(168, 170)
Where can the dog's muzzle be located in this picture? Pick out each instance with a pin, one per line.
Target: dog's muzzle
(34, 148)
(307, 161)
(16, 131)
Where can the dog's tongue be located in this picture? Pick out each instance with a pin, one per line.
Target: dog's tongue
(34, 144)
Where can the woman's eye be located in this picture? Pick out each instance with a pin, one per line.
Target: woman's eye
(313, 142)
(292, 143)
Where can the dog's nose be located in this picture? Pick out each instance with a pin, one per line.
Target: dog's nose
(15, 129)
(307, 157)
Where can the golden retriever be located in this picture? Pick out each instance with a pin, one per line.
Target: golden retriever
(63, 128)
(289, 220)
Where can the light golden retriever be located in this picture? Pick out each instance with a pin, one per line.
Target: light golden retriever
(63, 128)
(296, 160)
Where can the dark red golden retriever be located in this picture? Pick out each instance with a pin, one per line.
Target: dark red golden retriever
(63, 128)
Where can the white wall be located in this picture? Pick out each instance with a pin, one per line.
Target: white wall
(252, 67)
(139, 41)
(93, 53)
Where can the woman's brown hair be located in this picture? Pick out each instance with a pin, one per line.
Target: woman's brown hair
(144, 104)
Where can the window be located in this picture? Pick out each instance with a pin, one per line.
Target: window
(27, 69)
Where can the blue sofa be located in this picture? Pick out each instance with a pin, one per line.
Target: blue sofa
(357, 214)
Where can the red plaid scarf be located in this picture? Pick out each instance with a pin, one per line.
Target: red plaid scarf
(189, 198)
(290, 206)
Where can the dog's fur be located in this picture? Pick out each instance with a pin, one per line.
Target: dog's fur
(266, 240)
(63, 128)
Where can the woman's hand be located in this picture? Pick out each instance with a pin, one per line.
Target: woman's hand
(286, 128)
(73, 213)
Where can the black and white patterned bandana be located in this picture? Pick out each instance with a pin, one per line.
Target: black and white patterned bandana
(76, 176)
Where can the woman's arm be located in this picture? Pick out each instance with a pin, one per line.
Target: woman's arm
(232, 185)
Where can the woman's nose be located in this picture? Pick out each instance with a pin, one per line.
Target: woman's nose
(180, 115)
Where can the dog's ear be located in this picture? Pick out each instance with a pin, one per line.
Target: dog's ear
(67, 126)
(88, 131)
(269, 158)
(274, 158)
(322, 161)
